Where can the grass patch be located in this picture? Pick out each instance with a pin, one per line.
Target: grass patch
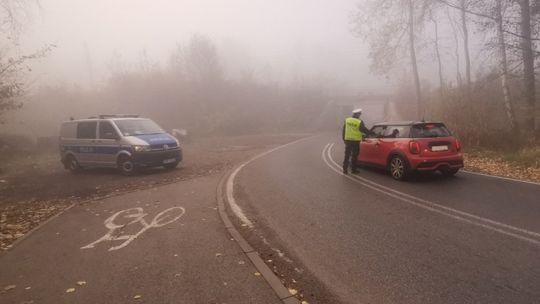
(528, 157)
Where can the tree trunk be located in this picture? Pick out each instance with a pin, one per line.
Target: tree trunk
(504, 68)
(438, 53)
(466, 43)
(528, 68)
(456, 49)
(420, 106)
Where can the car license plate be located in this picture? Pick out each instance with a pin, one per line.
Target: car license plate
(439, 148)
(170, 160)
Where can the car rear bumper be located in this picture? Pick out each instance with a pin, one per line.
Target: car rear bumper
(432, 164)
(157, 158)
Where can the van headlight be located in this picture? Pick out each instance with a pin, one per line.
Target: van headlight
(141, 148)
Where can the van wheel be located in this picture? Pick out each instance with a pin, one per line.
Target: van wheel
(398, 168)
(448, 172)
(126, 166)
(72, 164)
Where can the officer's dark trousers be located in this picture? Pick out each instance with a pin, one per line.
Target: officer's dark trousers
(352, 148)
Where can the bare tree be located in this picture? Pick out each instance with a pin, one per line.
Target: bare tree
(466, 52)
(13, 65)
(528, 67)
(504, 65)
(437, 51)
(386, 25)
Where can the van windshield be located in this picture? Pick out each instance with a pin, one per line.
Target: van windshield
(130, 127)
(429, 130)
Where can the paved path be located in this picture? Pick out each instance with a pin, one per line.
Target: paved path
(183, 256)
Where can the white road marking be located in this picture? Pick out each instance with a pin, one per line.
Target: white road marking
(133, 216)
(433, 207)
(230, 183)
(500, 177)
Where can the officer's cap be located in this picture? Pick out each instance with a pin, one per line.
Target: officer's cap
(357, 111)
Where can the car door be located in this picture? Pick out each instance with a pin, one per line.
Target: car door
(86, 136)
(368, 147)
(388, 142)
(107, 143)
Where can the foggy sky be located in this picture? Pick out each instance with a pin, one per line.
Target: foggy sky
(284, 38)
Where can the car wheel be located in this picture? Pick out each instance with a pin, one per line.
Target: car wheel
(171, 166)
(72, 164)
(398, 168)
(126, 166)
(448, 172)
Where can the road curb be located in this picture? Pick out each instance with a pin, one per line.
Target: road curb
(273, 281)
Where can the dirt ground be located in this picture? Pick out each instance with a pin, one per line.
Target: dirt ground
(35, 187)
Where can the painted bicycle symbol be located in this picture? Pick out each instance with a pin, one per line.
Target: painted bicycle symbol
(134, 216)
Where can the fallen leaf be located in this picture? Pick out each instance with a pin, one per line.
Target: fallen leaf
(10, 287)
(70, 290)
(241, 262)
(304, 302)
(218, 254)
(258, 274)
(137, 297)
(81, 283)
(28, 288)
(293, 291)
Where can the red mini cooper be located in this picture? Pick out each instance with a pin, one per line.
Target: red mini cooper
(406, 147)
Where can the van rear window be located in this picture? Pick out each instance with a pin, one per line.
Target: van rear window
(429, 130)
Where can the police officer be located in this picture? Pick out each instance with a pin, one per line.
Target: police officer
(353, 131)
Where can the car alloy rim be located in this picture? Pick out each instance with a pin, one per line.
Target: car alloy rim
(397, 167)
(73, 164)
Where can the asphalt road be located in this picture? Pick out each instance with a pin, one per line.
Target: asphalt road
(370, 239)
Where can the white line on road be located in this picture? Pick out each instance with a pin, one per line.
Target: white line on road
(501, 177)
(230, 182)
(434, 207)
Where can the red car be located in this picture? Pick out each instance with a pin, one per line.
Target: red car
(406, 147)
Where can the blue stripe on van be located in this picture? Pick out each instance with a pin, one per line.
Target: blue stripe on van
(93, 149)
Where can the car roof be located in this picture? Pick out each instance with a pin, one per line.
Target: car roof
(405, 123)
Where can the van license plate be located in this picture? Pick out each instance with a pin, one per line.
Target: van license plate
(439, 148)
(169, 161)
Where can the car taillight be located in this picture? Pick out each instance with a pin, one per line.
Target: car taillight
(458, 145)
(414, 147)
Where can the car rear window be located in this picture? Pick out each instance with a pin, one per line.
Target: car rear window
(429, 130)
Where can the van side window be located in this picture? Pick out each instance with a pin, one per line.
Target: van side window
(87, 130)
(107, 131)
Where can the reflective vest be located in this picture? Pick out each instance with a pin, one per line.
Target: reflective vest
(352, 129)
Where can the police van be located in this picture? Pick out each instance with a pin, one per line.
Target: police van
(126, 142)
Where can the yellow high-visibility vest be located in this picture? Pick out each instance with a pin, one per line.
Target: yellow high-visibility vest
(352, 129)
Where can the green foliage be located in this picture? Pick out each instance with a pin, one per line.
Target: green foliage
(528, 157)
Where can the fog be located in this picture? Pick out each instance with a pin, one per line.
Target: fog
(294, 65)
(285, 39)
